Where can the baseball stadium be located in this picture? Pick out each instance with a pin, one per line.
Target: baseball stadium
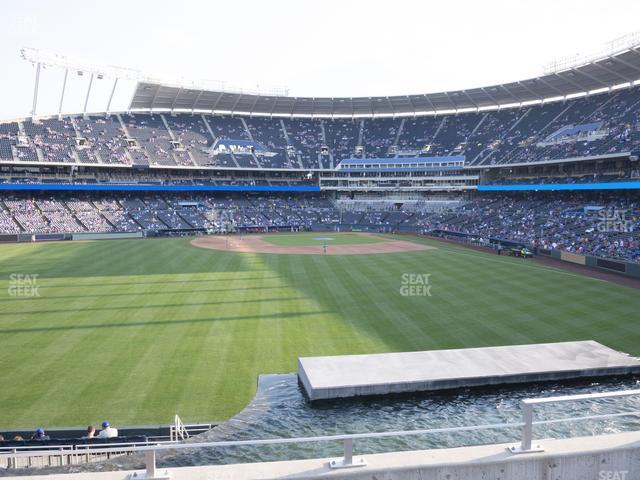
(210, 266)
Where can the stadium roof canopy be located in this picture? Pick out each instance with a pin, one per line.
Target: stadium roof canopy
(618, 66)
(600, 74)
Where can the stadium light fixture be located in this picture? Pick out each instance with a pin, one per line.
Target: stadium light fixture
(611, 49)
(81, 66)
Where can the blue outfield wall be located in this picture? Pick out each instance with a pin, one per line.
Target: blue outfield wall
(83, 187)
(560, 186)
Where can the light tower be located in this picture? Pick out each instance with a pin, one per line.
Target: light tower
(41, 58)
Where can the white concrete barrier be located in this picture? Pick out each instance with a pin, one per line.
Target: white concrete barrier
(604, 457)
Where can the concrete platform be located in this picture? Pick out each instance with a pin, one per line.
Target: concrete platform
(379, 374)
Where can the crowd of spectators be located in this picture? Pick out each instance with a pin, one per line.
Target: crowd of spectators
(130, 213)
(629, 174)
(603, 225)
(595, 223)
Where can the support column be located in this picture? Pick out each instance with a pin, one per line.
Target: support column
(64, 86)
(113, 90)
(86, 100)
(35, 92)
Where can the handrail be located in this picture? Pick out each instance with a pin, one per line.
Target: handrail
(527, 414)
(178, 429)
(275, 441)
(580, 397)
(141, 446)
(526, 424)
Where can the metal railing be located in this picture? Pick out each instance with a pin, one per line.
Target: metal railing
(74, 452)
(527, 415)
(348, 460)
(177, 431)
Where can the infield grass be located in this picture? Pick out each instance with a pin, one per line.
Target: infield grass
(315, 239)
(134, 331)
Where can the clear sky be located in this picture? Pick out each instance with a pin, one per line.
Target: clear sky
(321, 48)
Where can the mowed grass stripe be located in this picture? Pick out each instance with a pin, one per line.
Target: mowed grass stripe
(136, 331)
(582, 298)
(341, 333)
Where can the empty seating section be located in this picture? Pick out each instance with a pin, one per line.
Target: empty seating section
(417, 134)
(7, 222)
(106, 138)
(116, 216)
(577, 111)
(86, 155)
(378, 136)
(6, 148)
(342, 138)
(58, 217)
(27, 215)
(229, 128)
(306, 137)
(232, 128)
(491, 132)
(89, 216)
(154, 141)
(155, 212)
(268, 132)
(595, 125)
(8, 139)
(55, 138)
(453, 133)
(25, 151)
(193, 135)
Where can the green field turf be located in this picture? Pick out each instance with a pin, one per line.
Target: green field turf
(308, 238)
(135, 331)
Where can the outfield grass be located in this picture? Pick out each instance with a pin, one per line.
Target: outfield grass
(135, 331)
(310, 238)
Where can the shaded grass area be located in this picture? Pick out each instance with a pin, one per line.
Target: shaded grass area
(135, 331)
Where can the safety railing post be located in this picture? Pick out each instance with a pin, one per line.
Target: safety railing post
(526, 444)
(150, 472)
(150, 463)
(348, 451)
(527, 428)
(347, 460)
